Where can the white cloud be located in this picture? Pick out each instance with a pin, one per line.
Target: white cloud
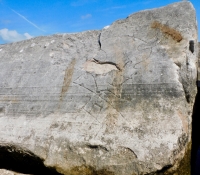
(86, 16)
(106, 27)
(13, 35)
(28, 36)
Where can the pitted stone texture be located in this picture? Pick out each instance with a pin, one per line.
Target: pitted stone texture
(117, 101)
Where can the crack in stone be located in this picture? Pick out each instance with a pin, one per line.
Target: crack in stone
(99, 41)
(191, 46)
(128, 123)
(106, 62)
(134, 66)
(95, 84)
(163, 170)
(97, 147)
(91, 115)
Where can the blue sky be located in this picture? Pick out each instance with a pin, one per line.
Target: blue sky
(23, 19)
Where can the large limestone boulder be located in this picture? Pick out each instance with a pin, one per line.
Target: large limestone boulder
(117, 101)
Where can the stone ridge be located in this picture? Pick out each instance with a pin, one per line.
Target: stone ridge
(117, 101)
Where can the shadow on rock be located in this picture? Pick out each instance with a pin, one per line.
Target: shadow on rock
(22, 161)
(195, 159)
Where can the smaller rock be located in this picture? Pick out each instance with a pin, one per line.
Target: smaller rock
(7, 172)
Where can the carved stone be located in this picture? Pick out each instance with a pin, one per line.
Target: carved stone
(117, 101)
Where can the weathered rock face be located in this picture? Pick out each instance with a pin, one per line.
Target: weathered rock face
(117, 101)
(6, 172)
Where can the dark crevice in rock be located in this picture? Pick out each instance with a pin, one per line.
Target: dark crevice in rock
(106, 62)
(195, 133)
(93, 146)
(97, 147)
(187, 62)
(162, 171)
(99, 41)
(178, 64)
(191, 46)
(23, 161)
(132, 152)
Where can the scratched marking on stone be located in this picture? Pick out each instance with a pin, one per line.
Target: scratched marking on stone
(21, 102)
(67, 79)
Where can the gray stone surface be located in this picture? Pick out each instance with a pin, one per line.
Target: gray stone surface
(7, 172)
(117, 101)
